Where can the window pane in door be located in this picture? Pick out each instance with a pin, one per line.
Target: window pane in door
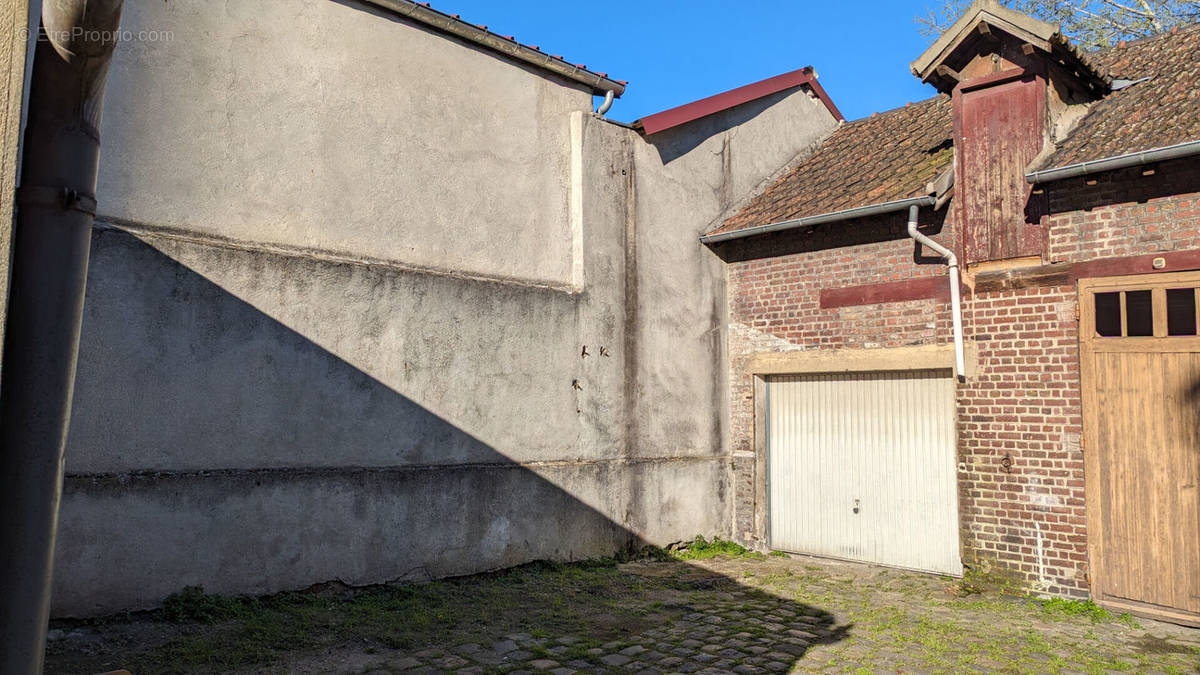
(1181, 311)
(1139, 314)
(1108, 314)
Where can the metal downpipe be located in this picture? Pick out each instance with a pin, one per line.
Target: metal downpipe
(608, 101)
(955, 299)
(51, 241)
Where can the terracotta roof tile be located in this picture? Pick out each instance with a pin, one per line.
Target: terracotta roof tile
(1162, 111)
(881, 158)
(893, 155)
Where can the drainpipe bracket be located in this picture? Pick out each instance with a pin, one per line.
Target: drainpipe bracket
(65, 198)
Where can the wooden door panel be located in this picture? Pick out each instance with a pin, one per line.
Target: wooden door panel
(1002, 129)
(1142, 429)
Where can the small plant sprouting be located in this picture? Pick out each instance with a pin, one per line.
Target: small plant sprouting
(193, 605)
(702, 549)
(1079, 608)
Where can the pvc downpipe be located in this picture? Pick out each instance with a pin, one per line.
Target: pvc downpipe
(51, 242)
(955, 299)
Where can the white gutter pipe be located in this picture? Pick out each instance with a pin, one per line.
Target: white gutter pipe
(955, 300)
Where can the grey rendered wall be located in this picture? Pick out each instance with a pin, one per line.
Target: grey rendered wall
(688, 180)
(333, 126)
(280, 385)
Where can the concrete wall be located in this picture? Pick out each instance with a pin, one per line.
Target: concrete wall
(339, 301)
(14, 25)
(298, 123)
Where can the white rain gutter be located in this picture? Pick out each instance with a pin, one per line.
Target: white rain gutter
(955, 299)
(1180, 150)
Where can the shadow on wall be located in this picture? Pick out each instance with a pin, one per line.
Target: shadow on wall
(158, 337)
(1135, 185)
(823, 237)
(173, 369)
(676, 142)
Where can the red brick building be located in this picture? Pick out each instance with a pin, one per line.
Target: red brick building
(1066, 451)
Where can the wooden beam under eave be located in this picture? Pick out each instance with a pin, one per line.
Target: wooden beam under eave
(985, 32)
(949, 73)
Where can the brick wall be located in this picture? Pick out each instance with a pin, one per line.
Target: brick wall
(774, 306)
(1022, 404)
(1026, 519)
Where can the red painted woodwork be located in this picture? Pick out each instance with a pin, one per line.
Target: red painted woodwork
(1175, 261)
(925, 288)
(999, 125)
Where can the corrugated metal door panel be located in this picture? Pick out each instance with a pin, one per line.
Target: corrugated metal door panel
(862, 466)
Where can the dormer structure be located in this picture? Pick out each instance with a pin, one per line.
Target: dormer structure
(1013, 80)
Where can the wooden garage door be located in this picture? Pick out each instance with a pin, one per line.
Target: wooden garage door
(1140, 365)
(862, 466)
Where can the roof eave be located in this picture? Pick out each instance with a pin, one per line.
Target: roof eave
(1142, 157)
(1027, 28)
(834, 216)
(422, 13)
(689, 112)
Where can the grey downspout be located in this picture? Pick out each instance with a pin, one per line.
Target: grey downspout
(955, 300)
(51, 241)
(608, 101)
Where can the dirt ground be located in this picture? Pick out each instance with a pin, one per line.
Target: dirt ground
(743, 614)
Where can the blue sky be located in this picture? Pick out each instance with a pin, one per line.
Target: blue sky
(673, 52)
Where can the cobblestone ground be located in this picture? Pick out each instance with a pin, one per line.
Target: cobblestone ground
(743, 615)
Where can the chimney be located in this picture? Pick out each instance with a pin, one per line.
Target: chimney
(1013, 80)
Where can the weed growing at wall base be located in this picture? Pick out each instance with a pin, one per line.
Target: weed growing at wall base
(702, 549)
(1086, 609)
(192, 604)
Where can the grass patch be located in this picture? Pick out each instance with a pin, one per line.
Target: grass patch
(703, 549)
(209, 632)
(1085, 609)
(192, 604)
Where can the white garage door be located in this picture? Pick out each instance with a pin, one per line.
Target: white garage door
(862, 466)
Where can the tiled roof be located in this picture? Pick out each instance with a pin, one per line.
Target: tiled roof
(1162, 111)
(885, 157)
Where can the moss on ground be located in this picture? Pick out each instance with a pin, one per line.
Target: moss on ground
(868, 618)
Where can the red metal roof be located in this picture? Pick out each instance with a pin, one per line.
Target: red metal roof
(735, 97)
